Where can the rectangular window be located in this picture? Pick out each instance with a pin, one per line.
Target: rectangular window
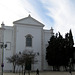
(29, 42)
(8, 46)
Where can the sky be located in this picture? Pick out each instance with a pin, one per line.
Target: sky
(59, 14)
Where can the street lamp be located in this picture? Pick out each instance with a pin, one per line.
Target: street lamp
(2, 47)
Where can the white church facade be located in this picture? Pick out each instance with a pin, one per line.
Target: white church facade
(16, 39)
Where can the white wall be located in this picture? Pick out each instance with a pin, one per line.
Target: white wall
(20, 42)
(8, 39)
(21, 32)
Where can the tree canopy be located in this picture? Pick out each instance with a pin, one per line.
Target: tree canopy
(24, 59)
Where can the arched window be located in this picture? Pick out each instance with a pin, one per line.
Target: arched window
(29, 41)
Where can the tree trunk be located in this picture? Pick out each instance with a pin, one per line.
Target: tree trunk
(54, 68)
(14, 69)
(24, 70)
(29, 72)
(19, 71)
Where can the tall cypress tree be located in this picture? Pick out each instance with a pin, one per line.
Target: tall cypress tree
(50, 51)
(68, 43)
(71, 42)
(60, 49)
(54, 51)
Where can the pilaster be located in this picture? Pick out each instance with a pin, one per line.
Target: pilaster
(42, 56)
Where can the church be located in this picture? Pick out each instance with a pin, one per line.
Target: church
(25, 34)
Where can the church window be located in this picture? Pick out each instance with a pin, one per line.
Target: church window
(29, 41)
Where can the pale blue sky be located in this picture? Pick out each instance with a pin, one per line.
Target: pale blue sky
(59, 14)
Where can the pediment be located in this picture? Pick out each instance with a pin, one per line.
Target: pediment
(28, 21)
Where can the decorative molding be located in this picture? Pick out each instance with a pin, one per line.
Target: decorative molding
(29, 35)
(14, 51)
